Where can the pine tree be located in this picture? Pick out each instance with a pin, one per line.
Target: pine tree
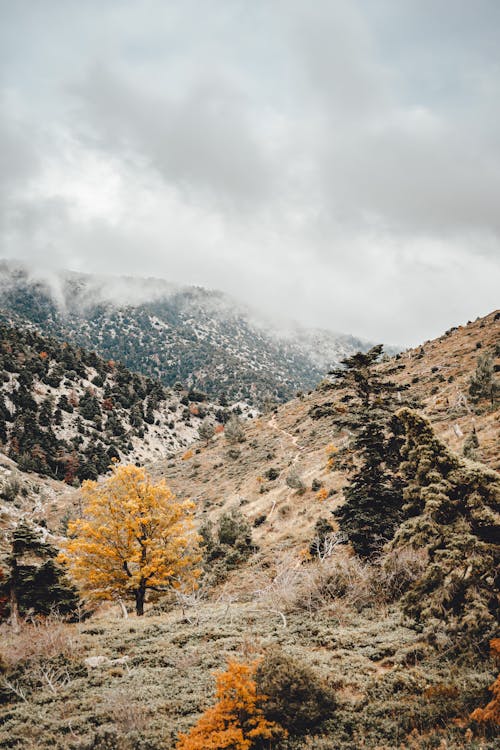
(34, 582)
(452, 509)
(483, 383)
(373, 497)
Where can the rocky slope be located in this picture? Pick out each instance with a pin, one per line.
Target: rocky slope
(252, 475)
(66, 412)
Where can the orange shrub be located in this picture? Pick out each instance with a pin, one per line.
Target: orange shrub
(236, 721)
(187, 455)
(322, 494)
(490, 714)
(219, 428)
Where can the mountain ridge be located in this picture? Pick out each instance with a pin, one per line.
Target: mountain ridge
(189, 334)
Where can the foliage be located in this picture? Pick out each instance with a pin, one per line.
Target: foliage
(490, 714)
(323, 531)
(483, 383)
(227, 544)
(206, 431)
(373, 497)
(34, 583)
(67, 413)
(471, 445)
(236, 721)
(134, 536)
(295, 482)
(233, 430)
(296, 697)
(452, 508)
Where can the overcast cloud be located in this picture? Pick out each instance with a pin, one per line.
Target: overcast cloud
(334, 162)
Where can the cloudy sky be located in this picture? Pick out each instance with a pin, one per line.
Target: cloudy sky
(334, 162)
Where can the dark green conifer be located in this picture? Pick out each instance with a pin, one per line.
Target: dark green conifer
(452, 509)
(373, 497)
(34, 583)
(483, 383)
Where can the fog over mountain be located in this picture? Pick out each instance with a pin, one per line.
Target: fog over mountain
(335, 163)
(199, 337)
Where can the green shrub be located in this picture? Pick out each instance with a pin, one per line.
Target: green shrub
(297, 698)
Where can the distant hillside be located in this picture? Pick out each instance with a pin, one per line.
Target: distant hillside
(291, 440)
(198, 337)
(65, 412)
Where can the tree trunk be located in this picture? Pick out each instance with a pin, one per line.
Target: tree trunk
(14, 610)
(123, 609)
(139, 598)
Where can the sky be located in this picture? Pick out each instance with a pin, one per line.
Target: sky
(332, 162)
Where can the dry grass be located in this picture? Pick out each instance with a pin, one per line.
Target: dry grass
(39, 640)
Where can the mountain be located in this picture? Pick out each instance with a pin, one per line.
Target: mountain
(66, 413)
(346, 657)
(201, 338)
(296, 437)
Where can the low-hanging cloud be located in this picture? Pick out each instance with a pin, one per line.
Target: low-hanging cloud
(338, 163)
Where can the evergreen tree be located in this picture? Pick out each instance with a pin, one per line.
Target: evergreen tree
(452, 509)
(471, 446)
(46, 412)
(373, 497)
(483, 383)
(34, 583)
(206, 431)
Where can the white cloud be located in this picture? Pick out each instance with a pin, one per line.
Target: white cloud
(335, 162)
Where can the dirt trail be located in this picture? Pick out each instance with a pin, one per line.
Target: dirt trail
(293, 438)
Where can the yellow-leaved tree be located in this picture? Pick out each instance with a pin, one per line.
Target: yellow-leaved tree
(134, 536)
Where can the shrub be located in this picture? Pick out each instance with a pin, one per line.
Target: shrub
(398, 569)
(233, 431)
(294, 481)
(490, 715)
(272, 474)
(10, 490)
(296, 697)
(236, 721)
(227, 544)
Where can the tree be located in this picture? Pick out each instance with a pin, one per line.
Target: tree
(237, 721)
(233, 431)
(373, 497)
(34, 582)
(452, 512)
(483, 384)
(206, 431)
(134, 536)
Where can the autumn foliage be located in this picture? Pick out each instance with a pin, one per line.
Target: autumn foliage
(490, 714)
(236, 721)
(134, 536)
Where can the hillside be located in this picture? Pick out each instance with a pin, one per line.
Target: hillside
(201, 338)
(291, 439)
(65, 412)
(131, 684)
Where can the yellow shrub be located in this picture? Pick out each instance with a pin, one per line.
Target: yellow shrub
(236, 721)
